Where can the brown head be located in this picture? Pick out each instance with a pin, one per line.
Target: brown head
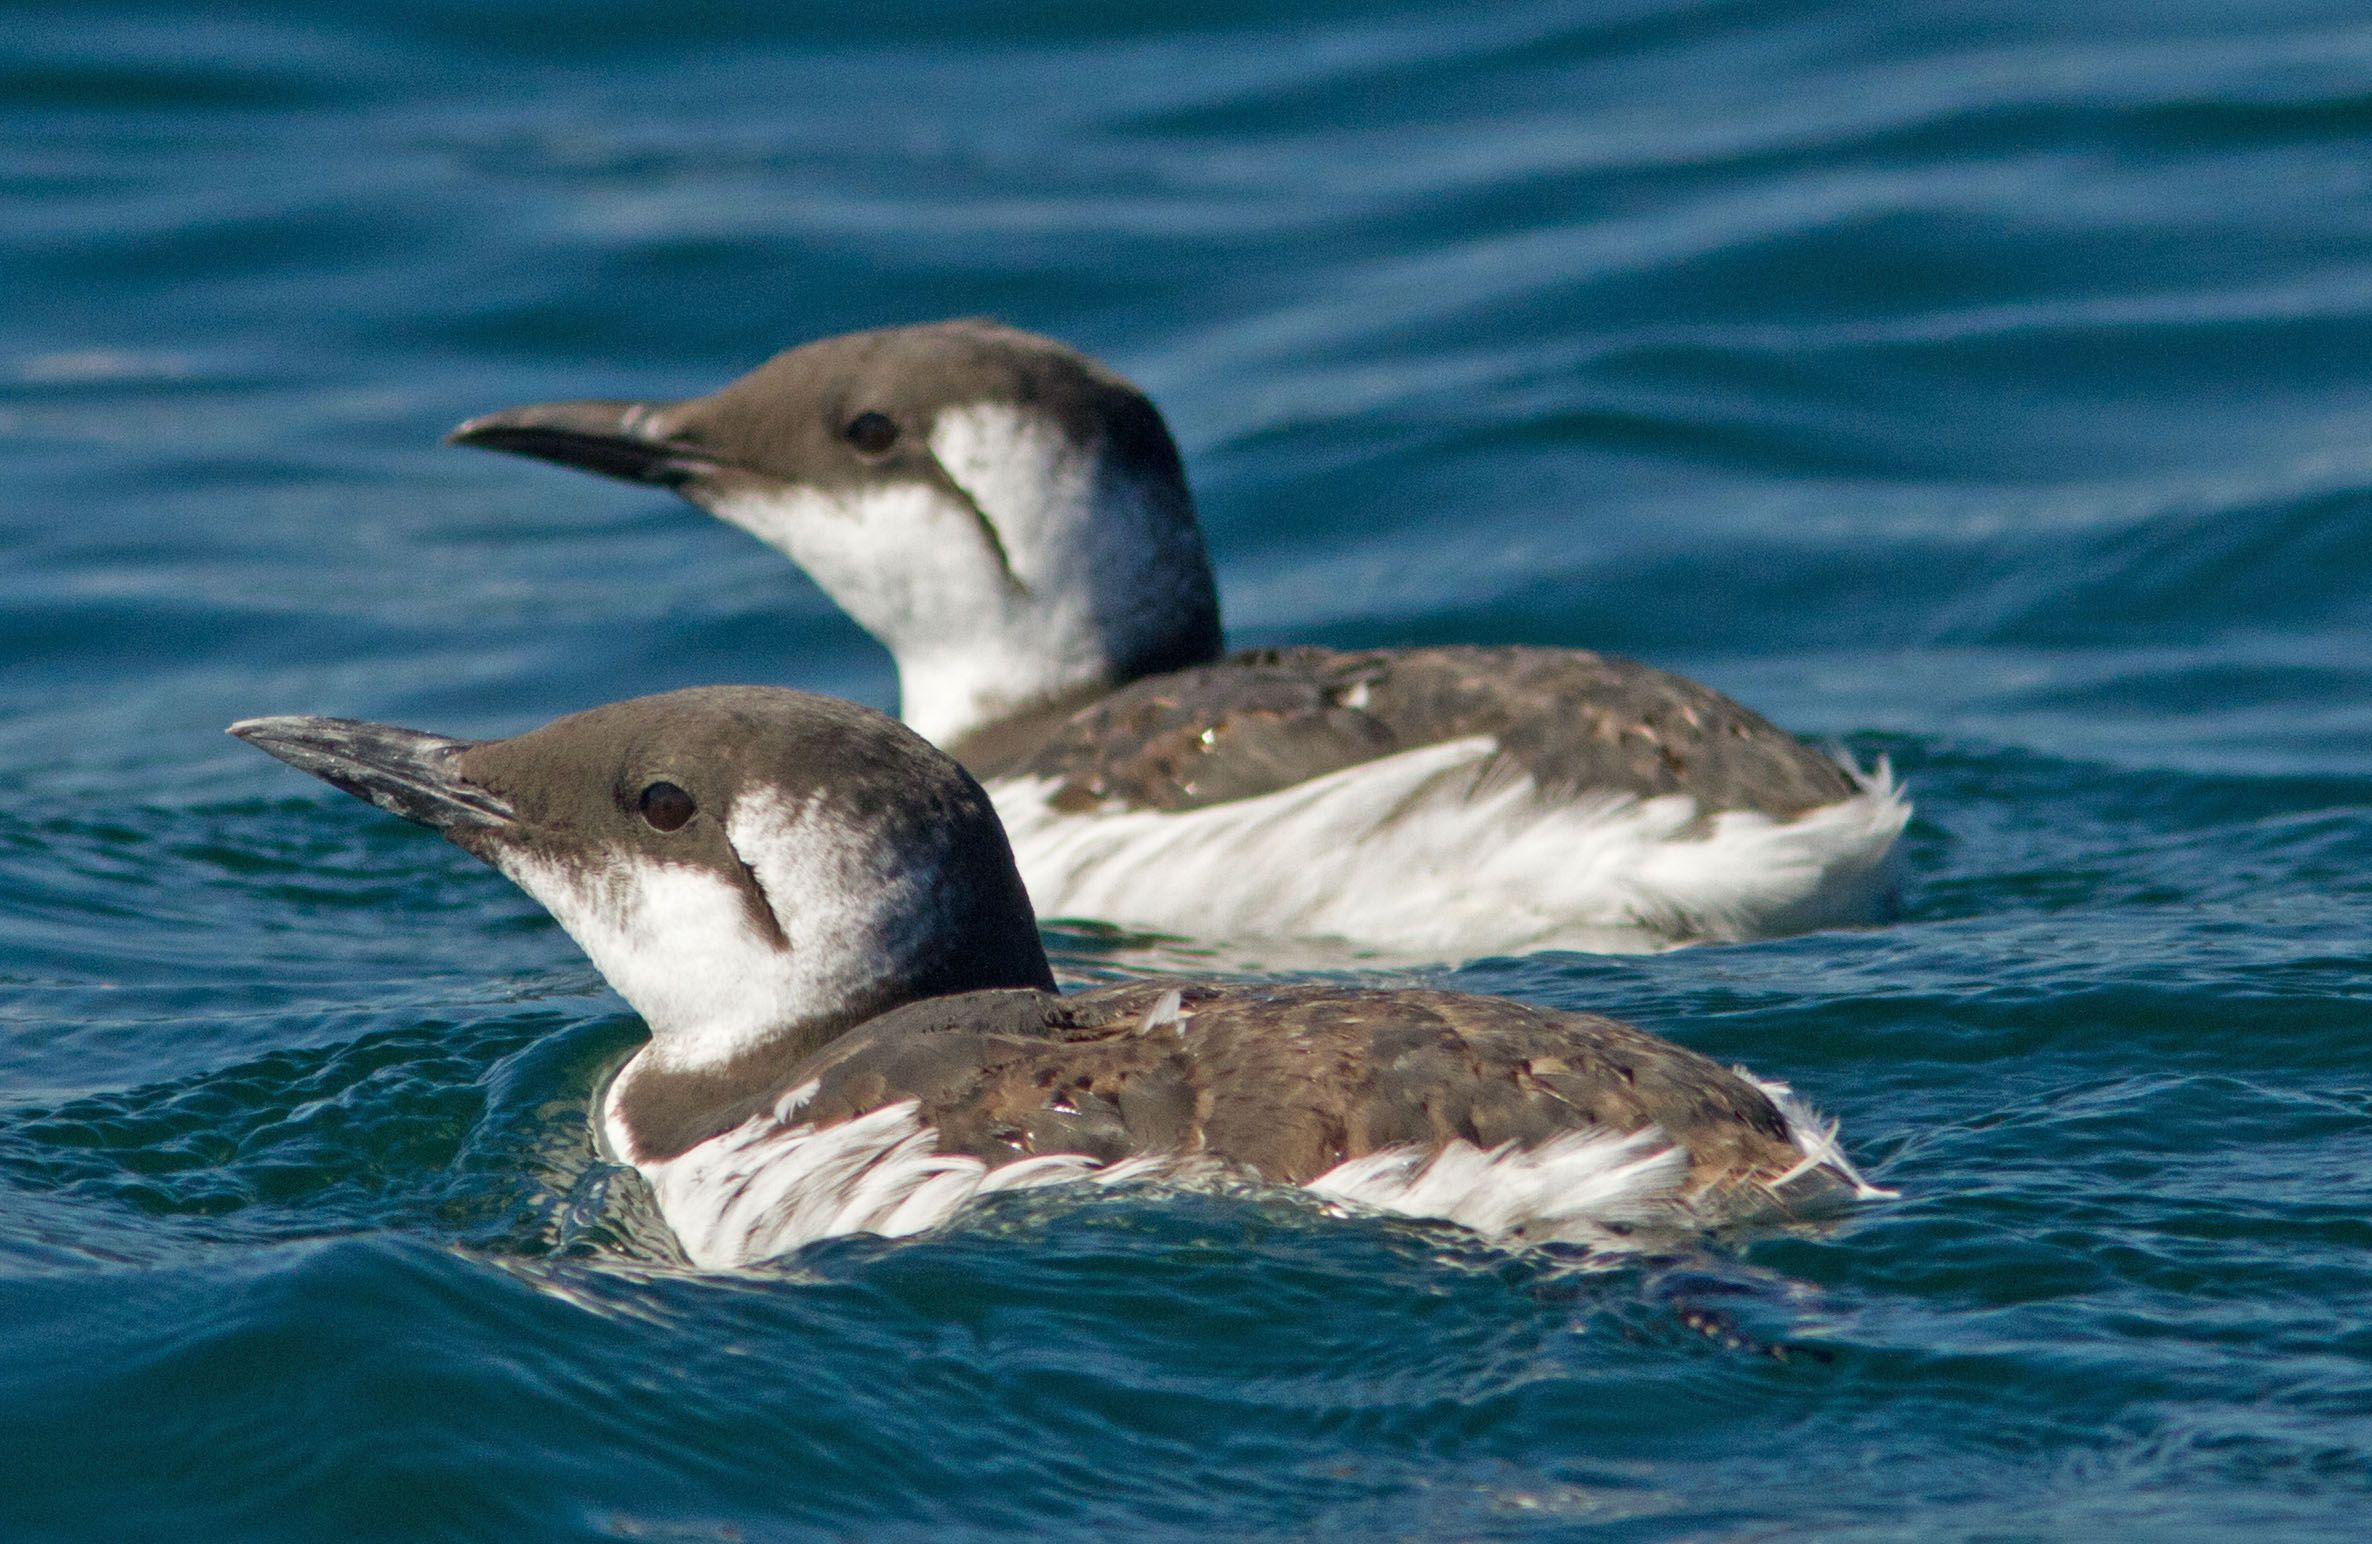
(1009, 517)
(749, 866)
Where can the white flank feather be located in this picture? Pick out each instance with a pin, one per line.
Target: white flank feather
(1168, 1011)
(766, 1188)
(1570, 1188)
(1423, 855)
(1815, 1138)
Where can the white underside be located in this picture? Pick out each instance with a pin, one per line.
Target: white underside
(772, 1185)
(1437, 853)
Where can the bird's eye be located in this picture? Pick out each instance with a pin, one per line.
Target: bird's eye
(666, 807)
(871, 433)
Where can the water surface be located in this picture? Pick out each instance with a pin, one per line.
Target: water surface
(1981, 386)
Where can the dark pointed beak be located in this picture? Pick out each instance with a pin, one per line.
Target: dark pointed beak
(402, 771)
(624, 440)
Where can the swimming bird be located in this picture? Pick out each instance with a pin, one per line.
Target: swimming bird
(1012, 520)
(854, 1029)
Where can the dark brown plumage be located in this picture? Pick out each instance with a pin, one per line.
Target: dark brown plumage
(1571, 720)
(1284, 1082)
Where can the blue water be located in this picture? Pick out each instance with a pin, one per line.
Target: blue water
(1988, 386)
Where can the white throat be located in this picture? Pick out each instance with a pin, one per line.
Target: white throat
(1094, 567)
(680, 943)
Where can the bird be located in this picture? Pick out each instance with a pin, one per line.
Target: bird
(1011, 519)
(854, 1027)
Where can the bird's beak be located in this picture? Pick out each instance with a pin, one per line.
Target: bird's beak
(625, 440)
(402, 771)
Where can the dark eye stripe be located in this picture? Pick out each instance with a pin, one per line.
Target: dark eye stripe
(666, 807)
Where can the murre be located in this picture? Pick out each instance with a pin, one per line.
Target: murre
(854, 1029)
(1011, 519)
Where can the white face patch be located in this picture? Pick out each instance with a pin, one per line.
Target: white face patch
(679, 943)
(908, 563)
(1033, 481)
(858, 909)
(1091, 562)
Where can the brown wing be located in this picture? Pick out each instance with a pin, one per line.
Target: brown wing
(1287, 1081)
(1574, 721)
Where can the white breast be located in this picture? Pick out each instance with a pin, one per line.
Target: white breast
(1439, 853)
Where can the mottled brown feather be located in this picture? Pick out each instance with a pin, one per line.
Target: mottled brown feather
(1283, 1081)
(1570, 720)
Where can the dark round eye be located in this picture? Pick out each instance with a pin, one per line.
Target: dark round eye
(871, 433)
(666, 806)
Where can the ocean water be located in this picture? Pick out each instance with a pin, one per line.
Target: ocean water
(1984, 386)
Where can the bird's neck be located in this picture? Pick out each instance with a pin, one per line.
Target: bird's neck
(661, 1104)
(1104, 580)
(1058, 655)
(951, 693)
